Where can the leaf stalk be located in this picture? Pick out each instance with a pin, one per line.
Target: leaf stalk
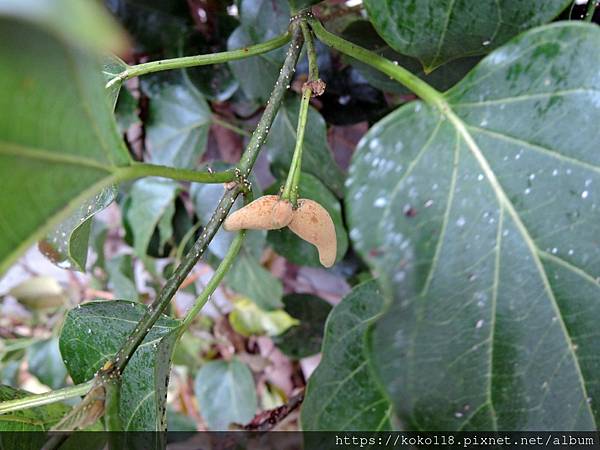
(199, 60)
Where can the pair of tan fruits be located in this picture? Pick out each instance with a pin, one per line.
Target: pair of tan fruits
(309, 220)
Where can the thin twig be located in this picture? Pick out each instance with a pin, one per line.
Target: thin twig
(267, 420)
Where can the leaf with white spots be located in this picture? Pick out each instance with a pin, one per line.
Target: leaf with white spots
(92, 334)
(484, 216)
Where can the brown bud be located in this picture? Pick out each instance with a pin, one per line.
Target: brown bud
(313, 223)
(265, 213)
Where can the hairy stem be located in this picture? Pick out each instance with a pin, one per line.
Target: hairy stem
(591, 9)
(141, 170)
(214, 282)
(163, 298)
(58, 395)
(199, 60)
(391, 69)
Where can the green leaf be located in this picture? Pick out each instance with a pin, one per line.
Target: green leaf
(40, 292)
(484, 217)
(342, 393)
(150, 200)
(317, 158)
(226, 393)
(45, 363)
(88, 24)
(67, 245)
(40, 418)
(296, 249)
(178, 124)
(250, 279)
(361, 32)
(436, 32)
(304, 339)
(248, 319)
(93, 332)
(121, 277)
(46, 171)
(260, 20)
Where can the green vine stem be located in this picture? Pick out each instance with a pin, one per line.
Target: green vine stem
(141, 170)
(199, 60)
(311, 52)
(591, 9)
(31, 401)
(214, 282)
(290, 190)
(391, 69)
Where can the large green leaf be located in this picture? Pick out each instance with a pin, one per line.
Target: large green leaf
(260, 20)
(92, 334)
(317, 158)
(178, 123)
(58, 140)
(437, 31)
(484, 215)
(226, 393)
(299, 251)
(342, 394)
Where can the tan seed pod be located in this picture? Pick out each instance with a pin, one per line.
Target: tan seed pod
(265, 213)
(313, 223)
